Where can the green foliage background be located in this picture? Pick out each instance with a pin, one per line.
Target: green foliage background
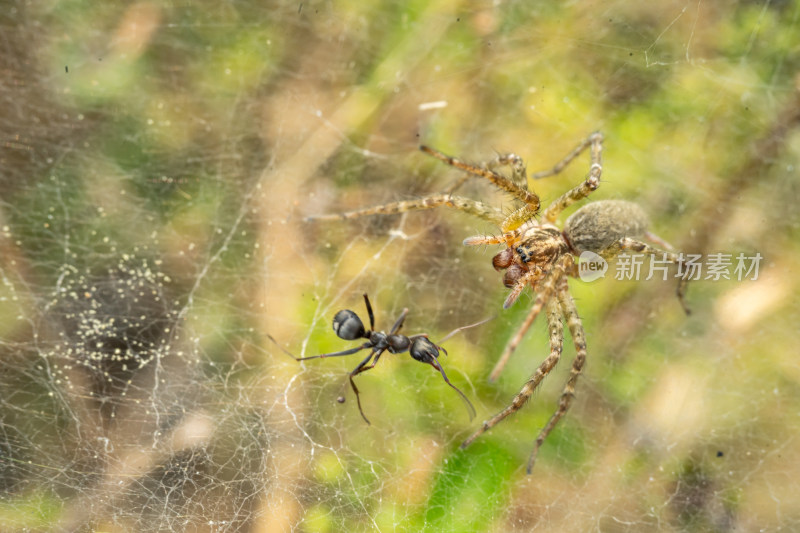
(158, 160)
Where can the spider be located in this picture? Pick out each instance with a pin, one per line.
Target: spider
(348, 326)
(540, 255)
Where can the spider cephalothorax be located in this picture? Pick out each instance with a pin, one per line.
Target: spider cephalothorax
(539, 255)
(532, 251)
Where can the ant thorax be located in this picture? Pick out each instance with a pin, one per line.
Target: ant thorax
(398, 343)
(535, 249)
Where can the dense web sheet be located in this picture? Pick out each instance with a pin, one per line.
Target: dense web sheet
(157, 165)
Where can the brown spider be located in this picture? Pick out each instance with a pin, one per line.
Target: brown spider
(540, 255)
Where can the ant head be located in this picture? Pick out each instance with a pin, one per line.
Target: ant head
(424, 351)
(348, 326)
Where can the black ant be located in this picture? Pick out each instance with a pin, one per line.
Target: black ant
(348, 326)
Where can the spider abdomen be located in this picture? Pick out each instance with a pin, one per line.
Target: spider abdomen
(596, 226)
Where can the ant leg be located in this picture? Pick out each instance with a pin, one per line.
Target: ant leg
(351, 351)
(399, 323)
(467, 403)
(369, 312)
(362, 367)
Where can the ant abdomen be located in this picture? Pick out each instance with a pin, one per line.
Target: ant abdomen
(348, 326)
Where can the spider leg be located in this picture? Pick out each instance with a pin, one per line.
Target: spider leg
(529, 277)
(507, 237)
(517, 183)
(519, 217)
(644, 248)
(592, 140)
(477, 240)
(498, 180)
(556, 344)
(544, 293)
(518, 173)
(655, 239)
(579, 340)
(472, 207)
(590, 184)
(363, 367)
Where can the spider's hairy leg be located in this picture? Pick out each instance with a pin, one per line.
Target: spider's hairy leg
(507, 238)
(472, 207)
(658, 241)
(498, 180)
(558, 269)
(519, 176)
(593, 140)
(544, 293)
(477, 240)
(556, 344)
(579, 340)
(644, 248)
(518, 217)
(529, 277)
(590, 184)
(518, 172)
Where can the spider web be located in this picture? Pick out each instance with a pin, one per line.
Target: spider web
(158, 162)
